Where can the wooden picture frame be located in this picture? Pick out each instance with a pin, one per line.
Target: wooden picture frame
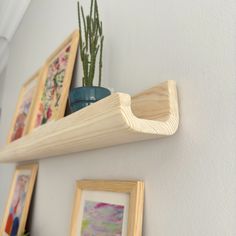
(19, 199)
(123, 200)
(25, 106)
(55, 83)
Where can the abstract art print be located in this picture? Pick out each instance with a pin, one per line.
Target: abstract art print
(19, 201)
(50, 99)
(17, 204)
(102, 219)
(55, 83)
(108, 208)
(24, 109)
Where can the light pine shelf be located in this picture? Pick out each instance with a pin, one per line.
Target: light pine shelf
(115, 120)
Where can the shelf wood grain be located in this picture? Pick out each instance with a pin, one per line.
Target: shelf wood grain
(115, 120)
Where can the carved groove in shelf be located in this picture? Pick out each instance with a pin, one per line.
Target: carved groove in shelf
(114, 120)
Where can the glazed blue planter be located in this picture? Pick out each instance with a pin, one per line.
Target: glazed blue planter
(84, 96)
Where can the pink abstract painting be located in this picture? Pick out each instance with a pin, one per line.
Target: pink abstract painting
(102, 219)
(23, 113)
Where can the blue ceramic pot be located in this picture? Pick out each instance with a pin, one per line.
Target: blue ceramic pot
(84, 96)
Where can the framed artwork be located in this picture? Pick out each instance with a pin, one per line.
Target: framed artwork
(26, 100)
(103, 208)
(19, 200)
(55, 83)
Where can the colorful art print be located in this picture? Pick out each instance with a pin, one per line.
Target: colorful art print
(50, 100)
(55, 83)
(21, 120)
(19, 201)
(102, 219)
(17, 204)
(108, 208)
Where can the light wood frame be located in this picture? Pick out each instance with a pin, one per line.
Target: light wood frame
(34, 169)
(73, 40)
(135, 189)
(36, 77)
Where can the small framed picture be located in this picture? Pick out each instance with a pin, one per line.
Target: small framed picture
(18, 204)
(103, 208)
(55, 83)
(21, 120)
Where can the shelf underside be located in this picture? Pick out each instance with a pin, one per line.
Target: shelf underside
(115, 120)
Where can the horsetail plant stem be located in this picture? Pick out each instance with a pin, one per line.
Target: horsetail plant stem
(91, 43)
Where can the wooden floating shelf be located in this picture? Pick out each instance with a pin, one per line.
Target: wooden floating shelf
(115, 120)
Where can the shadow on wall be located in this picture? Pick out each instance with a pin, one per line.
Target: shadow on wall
(4, 54)
(2, 79)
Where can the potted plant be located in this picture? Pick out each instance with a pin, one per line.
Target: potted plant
(91, 48)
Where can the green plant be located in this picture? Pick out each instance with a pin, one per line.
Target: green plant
(91, 42)
(25, 234)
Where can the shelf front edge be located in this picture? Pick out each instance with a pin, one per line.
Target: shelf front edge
(108, 122)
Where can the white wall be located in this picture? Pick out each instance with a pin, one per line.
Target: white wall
(2, 79)
(190, 177)
(11, 13)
